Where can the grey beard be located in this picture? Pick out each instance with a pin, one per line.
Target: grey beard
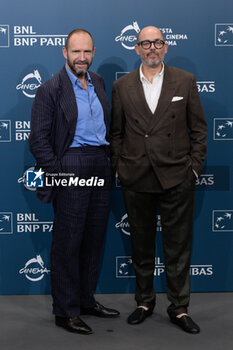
(77, 72)
(80, 73)
(153, 64)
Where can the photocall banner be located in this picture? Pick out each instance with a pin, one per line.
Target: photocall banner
(32, 34)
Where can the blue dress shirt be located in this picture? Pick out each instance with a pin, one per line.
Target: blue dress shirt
(90, 127)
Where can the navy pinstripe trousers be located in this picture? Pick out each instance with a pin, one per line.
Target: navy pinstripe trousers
(80, 220)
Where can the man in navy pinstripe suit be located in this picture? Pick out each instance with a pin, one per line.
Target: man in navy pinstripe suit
(69, 134)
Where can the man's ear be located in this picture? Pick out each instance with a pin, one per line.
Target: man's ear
(136, 47)
(64, 51)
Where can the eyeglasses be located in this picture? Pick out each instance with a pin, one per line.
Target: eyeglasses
(146, 44)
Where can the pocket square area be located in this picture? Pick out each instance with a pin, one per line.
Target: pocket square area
(177, 98)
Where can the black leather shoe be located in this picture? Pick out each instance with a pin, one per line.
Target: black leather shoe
(186, 323)
(75, 325)
(99, 311)
(139, 315)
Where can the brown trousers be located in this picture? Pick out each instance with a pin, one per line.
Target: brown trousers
(176, 207)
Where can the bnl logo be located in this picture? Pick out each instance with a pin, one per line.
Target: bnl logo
(5, 131)
(4, 35)
(224, 34)
(124, 267)
(223, 129)
(34, 178)
(222, 220)
(6, 223)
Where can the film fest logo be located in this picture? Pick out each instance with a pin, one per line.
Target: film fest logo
(124, 268)
(6, 223)
(124, 226)
(224, 34)
(30, 84)
(4, 35)
(128, 36)
(222, 220)
(223, 129)
(27, 36)
(34, 269)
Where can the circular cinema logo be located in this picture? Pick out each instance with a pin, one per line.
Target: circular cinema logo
(124, 225)
(23, 179)
(34, 269)
(127, 38)
(30, 84)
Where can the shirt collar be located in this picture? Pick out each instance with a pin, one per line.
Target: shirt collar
(74, 79)
(143, 78)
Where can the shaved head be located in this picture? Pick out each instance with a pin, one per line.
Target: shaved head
(151, 56)
(149, 29)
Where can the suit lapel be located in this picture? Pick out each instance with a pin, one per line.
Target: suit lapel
(68, 101)
(137, 97)
(167, 92)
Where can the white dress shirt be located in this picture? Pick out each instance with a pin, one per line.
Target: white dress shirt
(152, 90)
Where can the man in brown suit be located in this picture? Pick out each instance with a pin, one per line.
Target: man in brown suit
(158, 144)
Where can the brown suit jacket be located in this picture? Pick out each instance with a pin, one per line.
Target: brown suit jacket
(166, 143)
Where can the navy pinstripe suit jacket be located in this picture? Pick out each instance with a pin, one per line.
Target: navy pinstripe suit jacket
(53, 122)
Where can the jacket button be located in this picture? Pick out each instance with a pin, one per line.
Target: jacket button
(146, 136)
(169, 134)
(168, 153)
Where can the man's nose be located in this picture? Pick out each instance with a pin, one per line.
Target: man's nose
(153, 46)
(82, 56)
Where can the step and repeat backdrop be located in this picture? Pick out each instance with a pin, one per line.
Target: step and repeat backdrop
(32, 34)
